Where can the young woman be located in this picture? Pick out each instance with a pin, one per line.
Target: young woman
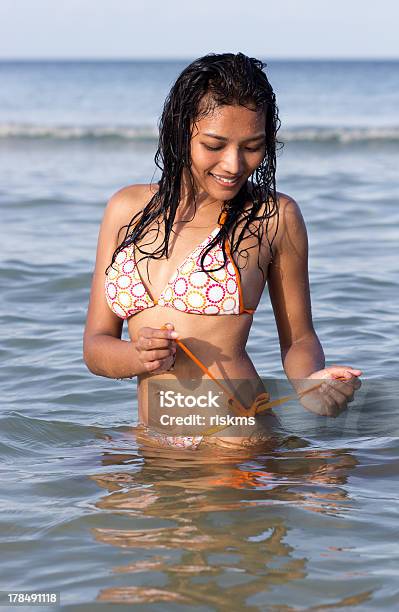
(199, 247)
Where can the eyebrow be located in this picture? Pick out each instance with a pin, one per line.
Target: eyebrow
(223, 139)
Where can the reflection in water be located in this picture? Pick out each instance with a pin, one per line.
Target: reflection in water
(227, 517)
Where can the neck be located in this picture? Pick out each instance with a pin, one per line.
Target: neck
(196, 201)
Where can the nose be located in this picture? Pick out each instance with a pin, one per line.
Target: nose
(232, 162)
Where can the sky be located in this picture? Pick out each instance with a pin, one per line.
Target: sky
(166, 29)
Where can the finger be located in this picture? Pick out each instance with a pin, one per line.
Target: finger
(150, 366)
(146, 332)
(169, 326)
(330, 403)
(157, 355)
(152, 332)
(332, 412)
(165, 365)
(329, 407)
(343, 370)
(339, 399)
(148, 344)
(330, 400)
(344, 387)
(353, 384)
(157, 366)
(322, 402)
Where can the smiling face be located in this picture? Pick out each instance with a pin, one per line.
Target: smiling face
(227, 145)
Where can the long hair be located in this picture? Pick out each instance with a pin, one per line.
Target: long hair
(217, 80)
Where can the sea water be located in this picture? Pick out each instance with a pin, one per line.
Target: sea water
(86, 510)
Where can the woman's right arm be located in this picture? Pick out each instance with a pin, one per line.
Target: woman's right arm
(104, 352)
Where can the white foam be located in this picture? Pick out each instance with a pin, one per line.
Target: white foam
(340, 134)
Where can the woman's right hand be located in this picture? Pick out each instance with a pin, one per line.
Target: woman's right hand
(156, 348)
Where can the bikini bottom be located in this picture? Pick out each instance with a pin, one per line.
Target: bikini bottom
(264, 433)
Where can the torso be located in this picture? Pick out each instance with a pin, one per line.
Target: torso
(218, 341)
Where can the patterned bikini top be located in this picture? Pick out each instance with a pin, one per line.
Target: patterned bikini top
(189, 290)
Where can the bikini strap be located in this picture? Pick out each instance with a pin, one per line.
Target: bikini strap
(223, 217)
(242, 308)
(248, 310)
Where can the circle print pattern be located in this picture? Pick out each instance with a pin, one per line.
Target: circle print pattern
(138, 290)
(187, 267)
(179, 305)
(231, 286)
(195, 299)
(112, 273)
(219, 275)
(140, 304)
(167, 294)
(190, 289)
(212, 310)
(118, 310)
(229, 305)
(128, 266)
(124, 281)
(219, 256)
(111, 291)
(180, 287)
(198, 279)
(215, 293)
(208, 260)
(125, 299)
(121, 257)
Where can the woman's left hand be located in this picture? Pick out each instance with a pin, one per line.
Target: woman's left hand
(333, 395)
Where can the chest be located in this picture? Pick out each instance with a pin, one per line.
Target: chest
(182, 268)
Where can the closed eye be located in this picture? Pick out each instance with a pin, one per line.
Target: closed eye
(212, 148)
(250, 149)
(258, 148)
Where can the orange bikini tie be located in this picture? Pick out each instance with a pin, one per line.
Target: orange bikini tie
(261, 403)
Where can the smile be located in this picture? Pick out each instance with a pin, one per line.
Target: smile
(227, 182)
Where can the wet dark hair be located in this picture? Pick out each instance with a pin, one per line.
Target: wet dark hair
(208, 82)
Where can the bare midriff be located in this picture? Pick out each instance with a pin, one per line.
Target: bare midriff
(217, 341)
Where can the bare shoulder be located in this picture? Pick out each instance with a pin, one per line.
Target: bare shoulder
(284, 226)
(288, 206)
(131, 199)
(291, 225)
(124, 204)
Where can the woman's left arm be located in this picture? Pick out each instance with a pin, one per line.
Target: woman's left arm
(288, 281)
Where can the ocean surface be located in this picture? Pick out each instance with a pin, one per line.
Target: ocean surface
(86, 510)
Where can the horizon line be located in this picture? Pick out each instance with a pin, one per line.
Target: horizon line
(190, 58)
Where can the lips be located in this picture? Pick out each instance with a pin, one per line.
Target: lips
(224, 180)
